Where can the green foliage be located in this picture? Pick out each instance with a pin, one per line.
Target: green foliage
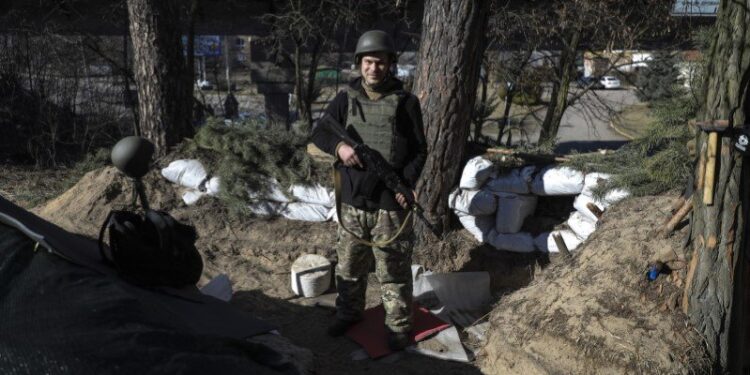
(657, 80)
(246, 156)
(654, 163)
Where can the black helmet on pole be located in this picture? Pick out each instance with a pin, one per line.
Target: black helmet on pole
(132, 156)
(374, 41)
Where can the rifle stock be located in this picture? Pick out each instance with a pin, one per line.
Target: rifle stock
(376, 163)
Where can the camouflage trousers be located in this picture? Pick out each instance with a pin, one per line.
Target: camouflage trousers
(392, 265)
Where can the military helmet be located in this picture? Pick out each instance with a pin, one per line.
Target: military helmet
(374, 41)
(132, 155)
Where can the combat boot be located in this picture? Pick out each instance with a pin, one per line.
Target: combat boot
(339, 327)
(398, 340)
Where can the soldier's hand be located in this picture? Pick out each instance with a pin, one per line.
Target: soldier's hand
(402, 200)
(348, 156)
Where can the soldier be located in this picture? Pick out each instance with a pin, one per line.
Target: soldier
(379, 113)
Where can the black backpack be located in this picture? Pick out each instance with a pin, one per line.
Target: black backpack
(152, 249)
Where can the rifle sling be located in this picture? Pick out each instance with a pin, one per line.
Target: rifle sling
(379, 244)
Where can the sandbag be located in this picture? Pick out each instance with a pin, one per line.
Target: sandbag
(479, 226)
(213, 185)
(315, 194)
(512, 210)
(186, 172)
(192, 196)
(592, 180)
(265, 208)
(517, 242)
(305, 211)
(581, 225)
(557, 181)
(273, 193)
(546, 243)
(475, 173)
(611, 197)
(473, 202)
(516, 181)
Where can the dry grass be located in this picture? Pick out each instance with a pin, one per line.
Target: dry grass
(633, 121)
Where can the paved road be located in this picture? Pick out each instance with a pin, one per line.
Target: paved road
(585, 125)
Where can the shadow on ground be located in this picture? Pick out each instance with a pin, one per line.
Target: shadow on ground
(306, 326)
(508, 271)
(587, 146)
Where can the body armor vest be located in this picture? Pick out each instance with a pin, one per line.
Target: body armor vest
(374, 121)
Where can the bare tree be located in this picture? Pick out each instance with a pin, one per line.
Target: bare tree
(565, 29)
(160, 75)
(450, 55)
(303, 31)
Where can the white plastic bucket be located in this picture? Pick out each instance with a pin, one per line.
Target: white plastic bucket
(311, 275)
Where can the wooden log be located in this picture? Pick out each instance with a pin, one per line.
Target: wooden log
(708, 186)
(669, 226)
(701, 173)
(595, 210)
(677, 204)
(560, 242)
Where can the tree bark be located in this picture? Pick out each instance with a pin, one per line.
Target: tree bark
(559, 98)
(450, 55)
(163, 106)
(717, 230)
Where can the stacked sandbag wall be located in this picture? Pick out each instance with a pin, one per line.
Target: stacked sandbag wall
(300, 202)
(493, 205)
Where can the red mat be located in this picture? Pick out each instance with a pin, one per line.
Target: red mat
(371, 334)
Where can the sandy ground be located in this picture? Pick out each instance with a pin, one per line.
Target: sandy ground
(597, 315)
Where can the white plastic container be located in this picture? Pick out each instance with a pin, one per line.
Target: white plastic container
(311, 275)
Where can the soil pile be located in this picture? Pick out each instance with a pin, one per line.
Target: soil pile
(600, 314)
(254, 253)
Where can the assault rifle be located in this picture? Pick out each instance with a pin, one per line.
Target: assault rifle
(376, 163)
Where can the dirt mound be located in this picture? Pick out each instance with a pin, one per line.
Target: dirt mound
(254, 253)
(599, 314)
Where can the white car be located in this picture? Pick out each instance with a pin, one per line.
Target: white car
(610, 82)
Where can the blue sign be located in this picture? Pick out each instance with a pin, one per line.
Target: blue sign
(205, 45)
(696, 8)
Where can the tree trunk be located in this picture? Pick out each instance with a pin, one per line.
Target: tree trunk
(505, 120)
(717, 230)
(450, 55)
(559, 98)
(159, 69)
(312, 70)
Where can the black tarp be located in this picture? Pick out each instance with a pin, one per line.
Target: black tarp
(62, 311)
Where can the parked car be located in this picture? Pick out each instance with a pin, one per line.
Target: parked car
(204, 84)
(610, 82)
(592, 82)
